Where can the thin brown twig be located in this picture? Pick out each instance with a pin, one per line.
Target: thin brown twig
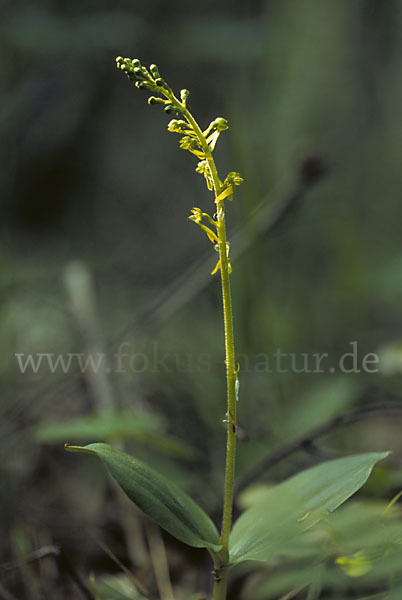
(130, 575)
(159, 561)
(62, 561)
(39, 554)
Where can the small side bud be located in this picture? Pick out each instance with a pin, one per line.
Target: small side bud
(153, 100)
(162, 83)
(155, 72)
(184, 94)
(120, 63)
(220, 124)
(169, 109)
(146, 74)
(136, 63)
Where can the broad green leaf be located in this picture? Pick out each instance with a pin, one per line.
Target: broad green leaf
(270, 526)
(162, 501)
(364, 534)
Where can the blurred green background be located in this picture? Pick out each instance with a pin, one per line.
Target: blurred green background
(97, 255)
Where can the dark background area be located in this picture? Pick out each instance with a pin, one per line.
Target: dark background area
(97, 251)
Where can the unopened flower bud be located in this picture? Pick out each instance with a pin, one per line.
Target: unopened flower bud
(153, 100)
(155, 71)
(184, 94)
(220, 124)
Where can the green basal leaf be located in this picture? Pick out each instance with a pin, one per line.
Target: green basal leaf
(269, 527)
(162, 501)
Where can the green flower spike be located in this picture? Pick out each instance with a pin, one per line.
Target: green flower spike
(202, 143)
(148, 80)
(198, 142)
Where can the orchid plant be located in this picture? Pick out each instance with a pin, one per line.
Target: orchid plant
(282, 513)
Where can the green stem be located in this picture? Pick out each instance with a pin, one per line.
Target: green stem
(231, 386)
(231, 373)
(220, 585)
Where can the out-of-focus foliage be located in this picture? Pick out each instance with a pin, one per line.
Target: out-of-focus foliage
(356, 548)
(88, 172)
(276, 521)
(117, 587)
